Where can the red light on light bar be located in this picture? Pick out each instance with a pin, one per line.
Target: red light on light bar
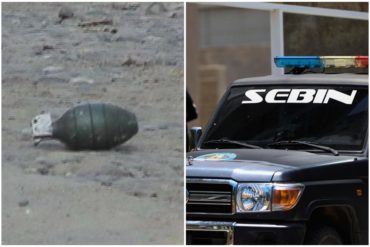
(362, 61)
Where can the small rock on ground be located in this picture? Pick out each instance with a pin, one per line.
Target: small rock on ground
(23, 203)
(65, 13)
(52, 70)
(81, 80)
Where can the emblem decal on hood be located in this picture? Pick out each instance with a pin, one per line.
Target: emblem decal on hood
(216, 156)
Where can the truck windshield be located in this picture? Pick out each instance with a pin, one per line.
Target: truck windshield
(331, 116)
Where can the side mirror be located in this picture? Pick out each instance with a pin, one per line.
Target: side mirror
(195, 134)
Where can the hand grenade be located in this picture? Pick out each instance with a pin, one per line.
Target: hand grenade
(87, 126)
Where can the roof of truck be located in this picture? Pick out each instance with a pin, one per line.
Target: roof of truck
(318, 78)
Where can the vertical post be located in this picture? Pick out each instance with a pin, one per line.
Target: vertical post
(191, 53)
(277, 39)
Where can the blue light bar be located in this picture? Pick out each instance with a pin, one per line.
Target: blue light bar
(298, 62)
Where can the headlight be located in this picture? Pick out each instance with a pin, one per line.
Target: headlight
(265, 197)
(254, 197)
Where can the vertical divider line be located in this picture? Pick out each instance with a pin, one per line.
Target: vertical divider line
(184, 121)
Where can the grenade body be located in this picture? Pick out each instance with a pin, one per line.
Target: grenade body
(95, 126)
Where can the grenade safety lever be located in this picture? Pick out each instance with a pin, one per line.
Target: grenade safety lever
(41, 128)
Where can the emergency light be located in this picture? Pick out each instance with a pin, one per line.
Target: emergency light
(310, 62)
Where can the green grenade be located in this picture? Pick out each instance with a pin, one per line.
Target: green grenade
(87, 126)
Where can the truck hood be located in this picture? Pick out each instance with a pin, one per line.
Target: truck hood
(253, 164)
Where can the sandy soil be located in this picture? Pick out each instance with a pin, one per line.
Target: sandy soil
(132, 194)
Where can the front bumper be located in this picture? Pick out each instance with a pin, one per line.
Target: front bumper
(215, 232)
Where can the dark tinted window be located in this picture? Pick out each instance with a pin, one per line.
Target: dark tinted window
(340, 125)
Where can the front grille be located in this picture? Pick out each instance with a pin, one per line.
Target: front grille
(208, 197)
(206, 237)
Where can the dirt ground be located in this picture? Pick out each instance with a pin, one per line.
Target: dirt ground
(132, 194)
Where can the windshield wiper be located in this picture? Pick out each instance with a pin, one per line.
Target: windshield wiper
(305, 143)
(227, 141)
